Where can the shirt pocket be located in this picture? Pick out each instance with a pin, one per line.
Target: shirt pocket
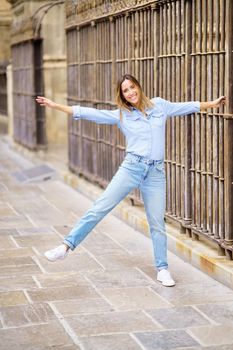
(133, 123)
(157, 120)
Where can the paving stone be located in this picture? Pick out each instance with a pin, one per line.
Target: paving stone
(6, 243)
(8, 232)
(40, 211)
(12, 298)
(36, 231)
(62, 293)
(218, 347)
(110, 322)
(7, 212)
(15, 261)
(26, 314)
(36, 337)
(36, 206)
(53, 190)
(123, 261)
(166, 340)
(3, 188)
(141, 245)
(15, 222)
(213, 335)
(191, 294)
(100, 244)
(178, 317)
(63, 230)
(110, 342)
(19, 270)
(62, 278)
(16, 252)
(16, 283)
(221, 313)
(83, 306)
(183, 272)
(134, 298)
(118, 278)
(78, 261)
(40, 242)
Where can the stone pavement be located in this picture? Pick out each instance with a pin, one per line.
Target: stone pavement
(104, 296)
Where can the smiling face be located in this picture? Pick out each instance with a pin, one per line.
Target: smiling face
(131, 92)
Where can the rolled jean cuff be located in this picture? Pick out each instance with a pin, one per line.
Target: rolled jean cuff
(70, 245)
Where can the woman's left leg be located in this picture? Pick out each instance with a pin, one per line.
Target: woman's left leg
(153, 189)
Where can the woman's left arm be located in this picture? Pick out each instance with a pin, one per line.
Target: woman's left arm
(213, 104)
(172, 109)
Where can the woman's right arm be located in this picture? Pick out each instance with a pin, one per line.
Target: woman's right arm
(43, 101)
(78, 112)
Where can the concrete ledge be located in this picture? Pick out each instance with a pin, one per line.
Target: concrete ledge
(200, 254)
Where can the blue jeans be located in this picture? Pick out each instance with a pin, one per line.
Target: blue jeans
(134, 172)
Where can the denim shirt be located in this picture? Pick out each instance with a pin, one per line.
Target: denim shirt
(145, 135)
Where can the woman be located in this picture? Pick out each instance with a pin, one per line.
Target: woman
(142, 121)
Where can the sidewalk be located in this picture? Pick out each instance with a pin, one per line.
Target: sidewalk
(104, 296)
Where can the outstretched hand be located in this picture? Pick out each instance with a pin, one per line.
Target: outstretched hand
(43, 101)
(219, 102)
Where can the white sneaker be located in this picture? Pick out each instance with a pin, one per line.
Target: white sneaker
(165, 277)
(57, 253)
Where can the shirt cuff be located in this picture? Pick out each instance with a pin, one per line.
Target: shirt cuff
(76, 112)
(197, 106)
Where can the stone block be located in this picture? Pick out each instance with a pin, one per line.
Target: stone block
(17, 283)
(121, 260)
(218, 312)
(134, 298)
(193, 293)
(178, 317)
(99, 244)
(36, 231)
(62, 278)
(16, 252)
(40, 242)
(12, 298)
(16, 261)
(6, 243)
(76, 261)
(118, 278)
(8, 232)
(213, 335)
(83, 306)
(62, 293)
(166, 340)
(110, 342)
(36, 337)
(20, 221)
(111, 322)
(17, 316)
(19, 270)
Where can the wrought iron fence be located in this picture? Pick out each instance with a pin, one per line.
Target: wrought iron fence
(179, 50)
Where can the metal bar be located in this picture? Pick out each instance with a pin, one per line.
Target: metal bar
(228, 130)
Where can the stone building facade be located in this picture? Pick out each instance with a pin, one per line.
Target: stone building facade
(39, 67)
(5, 22)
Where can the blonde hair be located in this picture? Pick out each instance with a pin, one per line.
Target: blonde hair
(144, 102)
